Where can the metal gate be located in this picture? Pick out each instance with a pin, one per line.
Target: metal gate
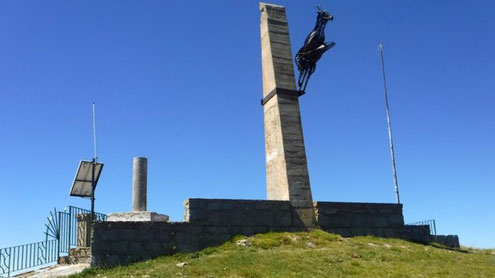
(60, 236)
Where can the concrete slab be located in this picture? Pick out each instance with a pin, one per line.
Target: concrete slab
(137, 216)
(55, 271)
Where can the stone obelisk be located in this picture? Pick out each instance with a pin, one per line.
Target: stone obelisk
(287, 175)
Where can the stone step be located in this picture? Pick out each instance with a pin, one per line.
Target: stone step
(80, 251)
(78, 255)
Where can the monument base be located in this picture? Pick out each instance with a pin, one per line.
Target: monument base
(137, 216)
(212, 222)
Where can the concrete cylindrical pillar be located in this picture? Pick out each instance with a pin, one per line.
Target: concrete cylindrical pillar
(139, 183)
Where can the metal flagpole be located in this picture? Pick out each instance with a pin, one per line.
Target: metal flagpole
(94, 166)
(389, 123)
(94, 130)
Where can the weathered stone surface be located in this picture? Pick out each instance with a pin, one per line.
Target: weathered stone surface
(419, 234)
(212, 222)
(287, 175)
(233, 213)
(137, 216)
(451, 241)
(345, 215)
(78, 255)
(139, 183)
(83, 229)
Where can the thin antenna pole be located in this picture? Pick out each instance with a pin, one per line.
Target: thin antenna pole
(94, 130)
(389, 123)
(93, 181)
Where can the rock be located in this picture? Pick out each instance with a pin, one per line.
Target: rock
(355, 256)
(243, 243)
(294, 237)
(181, 264)
(310, 245)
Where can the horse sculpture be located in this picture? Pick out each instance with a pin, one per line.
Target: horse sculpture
(313, 48)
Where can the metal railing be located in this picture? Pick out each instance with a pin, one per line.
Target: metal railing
(13, 259)
(68, 227)
(61, 235)
(431, 223)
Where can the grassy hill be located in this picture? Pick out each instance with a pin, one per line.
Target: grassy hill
(314, 254)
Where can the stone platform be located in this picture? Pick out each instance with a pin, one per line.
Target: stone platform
(137, 216)
(211, 222)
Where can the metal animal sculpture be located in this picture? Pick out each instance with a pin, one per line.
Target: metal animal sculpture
(313, 48)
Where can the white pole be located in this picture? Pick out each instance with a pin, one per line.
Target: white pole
(389, 123)
(93, 181)
(94, 130)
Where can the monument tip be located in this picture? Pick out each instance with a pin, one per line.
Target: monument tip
(272, 9)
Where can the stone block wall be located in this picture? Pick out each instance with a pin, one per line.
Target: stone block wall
(211, 222)
(357, 219)
(255, 214)
(360, 219)
(447, 240)
(413, 233)
(120, 243)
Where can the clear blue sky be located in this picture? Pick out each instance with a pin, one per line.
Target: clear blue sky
(179, 82)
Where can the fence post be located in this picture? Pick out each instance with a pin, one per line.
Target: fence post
(70, 229)
(59, 233)
(83, 229)
(8, 266)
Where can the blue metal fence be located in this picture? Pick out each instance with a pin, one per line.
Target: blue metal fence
(13, 259)
(431, 223)
(68, 226)
(61, 235)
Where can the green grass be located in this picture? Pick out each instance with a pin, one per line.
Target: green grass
(314, 254)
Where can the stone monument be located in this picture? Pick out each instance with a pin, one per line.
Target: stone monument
(289, 208)
(287, 175)
(139, 183)
(139, 201)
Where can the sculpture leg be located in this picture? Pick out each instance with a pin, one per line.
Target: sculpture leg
(302, 77)
(305, 84)
(308, 75)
